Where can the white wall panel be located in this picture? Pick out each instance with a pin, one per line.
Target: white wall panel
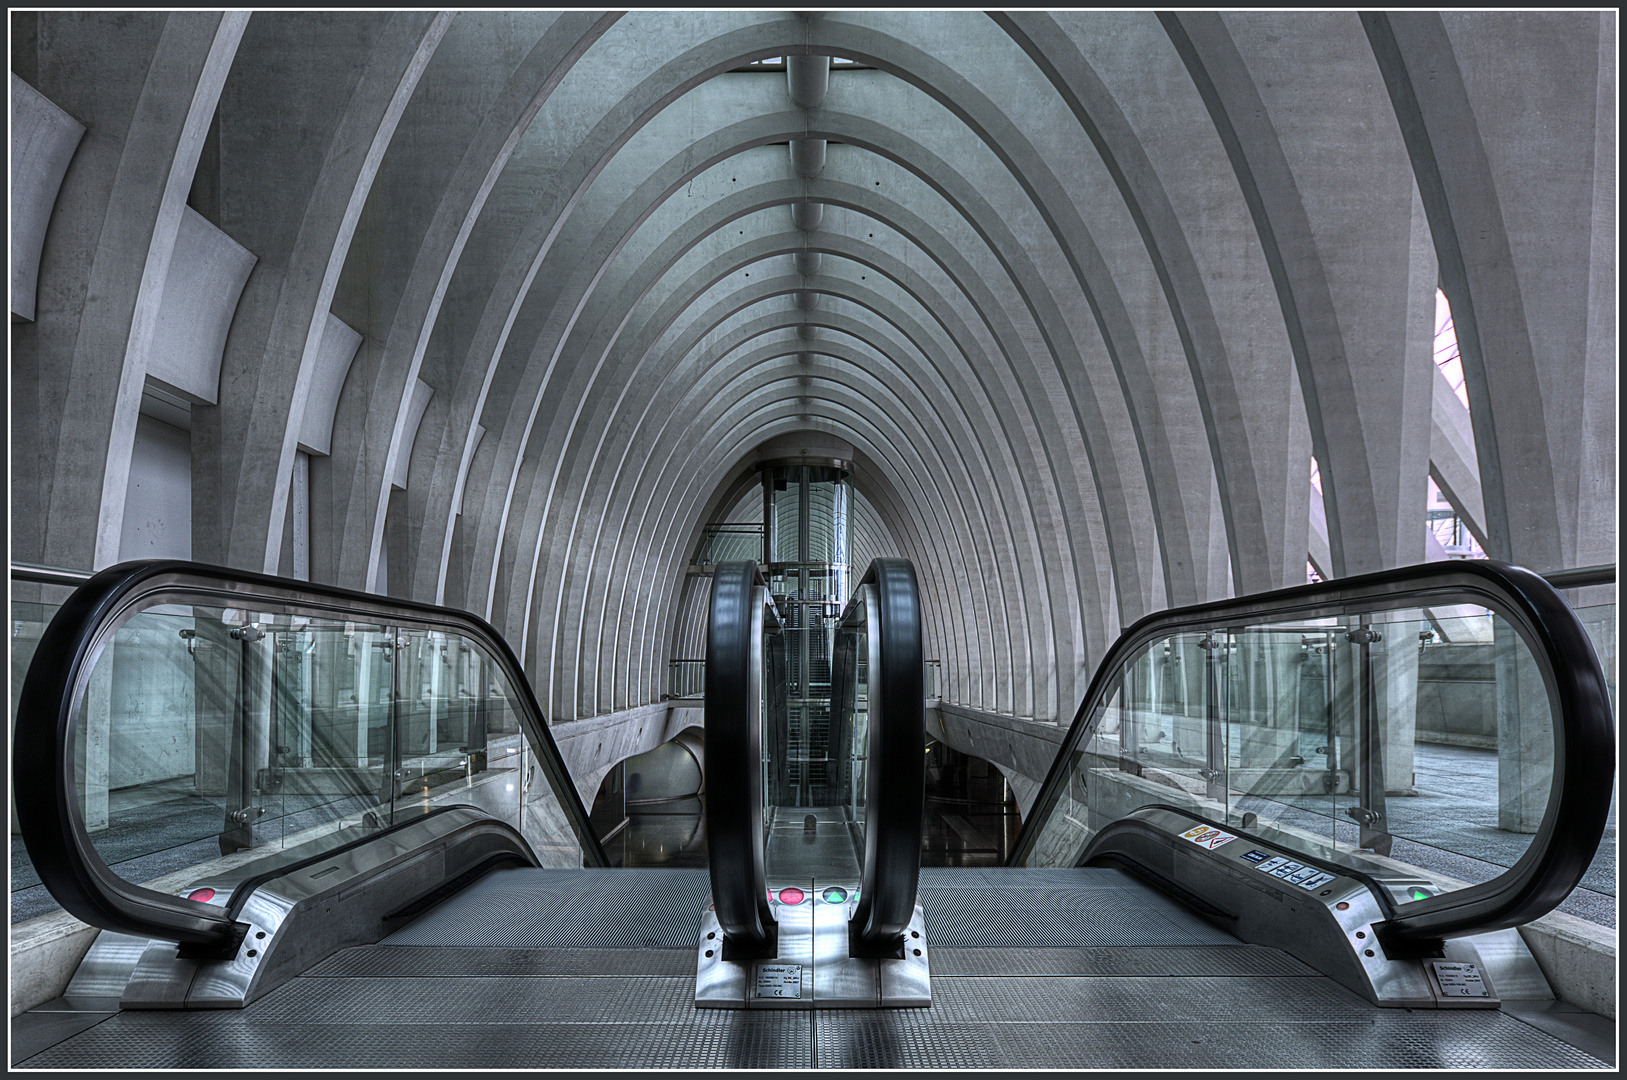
(333, 359)
(206, 277)
(43, 139)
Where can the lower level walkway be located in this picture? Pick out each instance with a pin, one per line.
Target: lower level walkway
(596, 969)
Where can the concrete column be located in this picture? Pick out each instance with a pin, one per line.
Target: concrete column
(1525, 750)
(216, 663)
(288, 197)
(1509, 120)
(1396, 659)
(1294, 96)
(94, 742)
(144, 86)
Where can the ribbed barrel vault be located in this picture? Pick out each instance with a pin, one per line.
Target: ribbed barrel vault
(1079, 295)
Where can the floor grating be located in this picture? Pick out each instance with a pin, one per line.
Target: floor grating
(1057, 969)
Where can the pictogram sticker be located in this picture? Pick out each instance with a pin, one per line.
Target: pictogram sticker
(1207, 836)
(1255, 856)
(1315, 881)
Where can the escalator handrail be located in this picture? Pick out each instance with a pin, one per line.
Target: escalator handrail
(1584, 728)
(48, 811)
(895, 788)
(734, 810)
(246, 888)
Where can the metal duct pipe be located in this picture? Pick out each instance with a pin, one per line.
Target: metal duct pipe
(807, 262)
(807, 77)
(807, 214)
(807, 299)
(805, 331)
(808, 156)
(805, 357)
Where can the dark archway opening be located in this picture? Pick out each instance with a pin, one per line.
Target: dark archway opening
(972, 817)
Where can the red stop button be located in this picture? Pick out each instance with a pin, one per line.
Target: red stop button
(792, 895)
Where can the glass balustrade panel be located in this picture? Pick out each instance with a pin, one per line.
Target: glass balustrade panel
(1416, 743)
(210, 740)
(33, 605)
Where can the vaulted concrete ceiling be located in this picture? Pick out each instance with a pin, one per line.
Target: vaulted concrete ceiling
(1079, 294)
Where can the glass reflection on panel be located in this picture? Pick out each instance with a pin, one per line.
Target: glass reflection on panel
(1422, 736)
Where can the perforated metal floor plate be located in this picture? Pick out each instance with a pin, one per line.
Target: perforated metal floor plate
(1060, 917)
(483, 1000)
(989, 877)
(1132, 1000)
(1193, 998)
(566, 909)
(708, 1040)
(1197, 961)
(903, 1040)
(384, 961)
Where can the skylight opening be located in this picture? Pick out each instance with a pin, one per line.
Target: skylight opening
(1451, 531)
(777, 63)
(1446, 348)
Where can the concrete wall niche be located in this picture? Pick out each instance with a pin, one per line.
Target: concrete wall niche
(158, 500)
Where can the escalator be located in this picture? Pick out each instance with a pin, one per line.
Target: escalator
(822, 914)
(373, 788)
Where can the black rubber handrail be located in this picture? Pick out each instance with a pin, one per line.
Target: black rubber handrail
(245, 888)
(48, 811)
(734, 810)
(895, 779)
(1584, 750)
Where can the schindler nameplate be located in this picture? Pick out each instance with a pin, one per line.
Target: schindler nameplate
(1460, 979)
(778, 981)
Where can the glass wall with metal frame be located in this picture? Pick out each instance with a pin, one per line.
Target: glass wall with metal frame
(217, 731)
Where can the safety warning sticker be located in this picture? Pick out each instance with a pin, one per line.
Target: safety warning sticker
(779, 980)
(1459, 979)
(1315, 881)
(1271, 864)
(1208, 837)
(1286, 869)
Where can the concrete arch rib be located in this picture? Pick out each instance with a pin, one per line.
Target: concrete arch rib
(704, 329)
(1515, 243)
(573, 395)
(331, 156)
(896, 398)
(931, 303)
(396, 278)
(1329, 353)
(1197, 314)
(97, 303)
